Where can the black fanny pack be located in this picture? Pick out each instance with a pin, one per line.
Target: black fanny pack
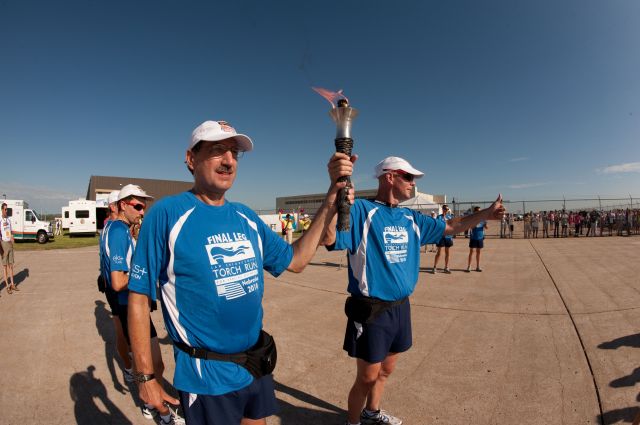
(366, 309)
(259, 360)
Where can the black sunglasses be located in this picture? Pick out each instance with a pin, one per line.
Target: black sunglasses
(406, 176)
(137, 207)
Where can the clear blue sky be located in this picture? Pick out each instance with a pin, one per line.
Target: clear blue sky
(534, 99)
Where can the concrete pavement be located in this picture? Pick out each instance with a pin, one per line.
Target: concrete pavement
(547, 334)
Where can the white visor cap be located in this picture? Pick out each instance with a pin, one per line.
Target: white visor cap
(113, 197)
(214, 131)
(392, 163)
(133, 190)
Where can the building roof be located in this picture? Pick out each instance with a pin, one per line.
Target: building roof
(154, 187)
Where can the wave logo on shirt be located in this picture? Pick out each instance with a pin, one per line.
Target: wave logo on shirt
(234, 268)
(229, 252)
(396, 241)
(395, 237)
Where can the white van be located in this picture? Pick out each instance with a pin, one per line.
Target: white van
(65, 217)
(25, 223)
(82, 217)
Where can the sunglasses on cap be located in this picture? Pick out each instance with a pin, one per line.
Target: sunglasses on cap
(405, 176)
(137, 207)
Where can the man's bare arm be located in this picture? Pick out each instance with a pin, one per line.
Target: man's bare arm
(459, 224)
(151, 392)
(305, 247)
(119, 280)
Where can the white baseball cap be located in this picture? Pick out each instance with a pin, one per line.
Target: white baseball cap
(214, 131)
(392, 163)
(113, 197)
(132, 190)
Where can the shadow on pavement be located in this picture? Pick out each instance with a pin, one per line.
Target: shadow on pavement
(627, 414)
(85, 389)
(21, 276)
(18, 278)
(620, 415)
(627, 381)
(625, 341)
(328, 264)
(105, 327)
(295, 415)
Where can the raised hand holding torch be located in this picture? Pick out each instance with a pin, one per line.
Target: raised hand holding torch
(343, 115)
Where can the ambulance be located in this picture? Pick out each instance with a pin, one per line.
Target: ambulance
(25, 224)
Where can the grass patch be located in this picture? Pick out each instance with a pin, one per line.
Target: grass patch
(59, 242)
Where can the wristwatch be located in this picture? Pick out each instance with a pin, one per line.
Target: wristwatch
(143, 377)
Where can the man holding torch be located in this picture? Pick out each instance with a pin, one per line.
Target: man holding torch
(208, 256)
(383, 245)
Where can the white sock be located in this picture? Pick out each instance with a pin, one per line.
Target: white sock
(129, 369)
(166, 418)
(149, 406)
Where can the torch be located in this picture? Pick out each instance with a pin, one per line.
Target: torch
(343, 115)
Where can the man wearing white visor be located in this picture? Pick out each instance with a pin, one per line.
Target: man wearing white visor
(119, 249)
(209, 257)
(383, 246)
(112, 296)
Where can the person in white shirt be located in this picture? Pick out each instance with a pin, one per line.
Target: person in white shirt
(7, 250)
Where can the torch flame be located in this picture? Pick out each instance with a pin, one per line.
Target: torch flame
(330, 95)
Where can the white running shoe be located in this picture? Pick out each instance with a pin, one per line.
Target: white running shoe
(149, 412)
(174, 418)
(381, 417)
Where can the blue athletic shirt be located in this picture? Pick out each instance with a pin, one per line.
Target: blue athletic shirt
(119, 247)
(209, 262)
(384, 248)
(104, 259)
(444, 219)
(101, 245)
(477, 233)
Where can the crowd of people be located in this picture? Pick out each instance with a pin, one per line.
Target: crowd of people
(563, 224)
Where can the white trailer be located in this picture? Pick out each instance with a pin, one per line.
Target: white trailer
(85, 217)
(82, 217)
(65, 217)
(25, 224)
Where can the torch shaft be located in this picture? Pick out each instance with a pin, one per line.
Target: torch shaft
(344, 145)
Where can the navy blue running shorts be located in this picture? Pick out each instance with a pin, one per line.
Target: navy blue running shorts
(390, 332)
(255, 401)
(476, 243)
(445, 242)
(123, 315)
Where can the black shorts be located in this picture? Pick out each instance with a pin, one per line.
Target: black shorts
(123, 315)
(112, 299)
(390, 332)
(479, 243)
(255, 401)
(445, 242)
